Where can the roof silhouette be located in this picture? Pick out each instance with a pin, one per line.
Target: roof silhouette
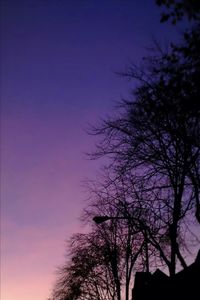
(184, 285)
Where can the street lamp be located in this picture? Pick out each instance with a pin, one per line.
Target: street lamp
(102, 219)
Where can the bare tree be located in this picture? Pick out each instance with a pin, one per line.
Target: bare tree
(96, 268)
(156, 140)
(101, 264)
(85, 275)
(109, 198)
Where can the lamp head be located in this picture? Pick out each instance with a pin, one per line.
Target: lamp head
(100, 219)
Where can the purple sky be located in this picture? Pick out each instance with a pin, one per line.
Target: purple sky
(58, 59)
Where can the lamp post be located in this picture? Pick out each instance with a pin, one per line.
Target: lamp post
(102, 219)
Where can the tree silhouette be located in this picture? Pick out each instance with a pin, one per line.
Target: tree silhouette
(151, 185)
(156, 137)
(98, 264)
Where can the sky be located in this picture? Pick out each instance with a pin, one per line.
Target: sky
(59, 60)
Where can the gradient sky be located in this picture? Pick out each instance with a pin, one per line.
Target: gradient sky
(58, 59)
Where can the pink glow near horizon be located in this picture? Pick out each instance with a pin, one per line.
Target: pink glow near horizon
(42, 187)
(32, 257)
